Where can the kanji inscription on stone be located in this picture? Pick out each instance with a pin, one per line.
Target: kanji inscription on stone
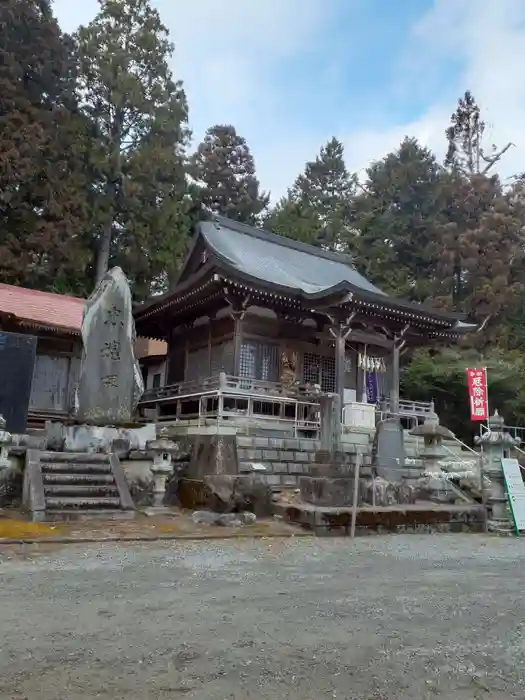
(111, 349)
(110, 383)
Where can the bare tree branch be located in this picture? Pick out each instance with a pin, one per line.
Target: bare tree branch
(494, 158)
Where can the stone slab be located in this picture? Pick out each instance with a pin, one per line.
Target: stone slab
(92, 438)
(417, 518)
(110, 381)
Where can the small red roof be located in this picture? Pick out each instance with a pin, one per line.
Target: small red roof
(42, 309)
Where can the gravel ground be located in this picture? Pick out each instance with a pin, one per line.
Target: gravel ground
(410, 617)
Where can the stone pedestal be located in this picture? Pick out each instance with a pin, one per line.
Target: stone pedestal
(331, 422)
(162, 450)
(496, 445)
(431, 484)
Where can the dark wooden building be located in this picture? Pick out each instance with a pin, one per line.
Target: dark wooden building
(258, 323)
(55, 320)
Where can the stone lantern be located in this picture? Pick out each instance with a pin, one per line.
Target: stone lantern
(5, 441)
(162, 450)
(497, 444)
(433, 435)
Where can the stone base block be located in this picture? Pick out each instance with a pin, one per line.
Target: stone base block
(417, 518)
(326, 491)
(93, 438)
(227, 493)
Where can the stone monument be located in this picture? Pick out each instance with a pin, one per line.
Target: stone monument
(389, 449)
(110, 382)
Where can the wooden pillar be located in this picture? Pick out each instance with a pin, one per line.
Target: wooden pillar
(237, 311)
(340, 330)
(394, 389)
(340, 346)
(237, 341)
(399, 344)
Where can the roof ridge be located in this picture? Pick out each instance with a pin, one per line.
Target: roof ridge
(270, 237)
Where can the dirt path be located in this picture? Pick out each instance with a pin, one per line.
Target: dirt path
(384, 618)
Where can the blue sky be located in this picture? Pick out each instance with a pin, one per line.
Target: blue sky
(290, 74)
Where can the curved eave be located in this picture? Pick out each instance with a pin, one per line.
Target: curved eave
(343, 292)
(187, 291)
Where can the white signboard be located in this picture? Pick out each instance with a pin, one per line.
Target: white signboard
(515, 491)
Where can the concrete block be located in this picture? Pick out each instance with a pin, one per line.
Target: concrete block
(288, 480)
(280, 467)
(245, 441)
(272, 455)
(309, 445)
(291, 444)
(297, 468)
(271, 479)
(261, 443)
(361, 439)
(275, 443)
(303, 457)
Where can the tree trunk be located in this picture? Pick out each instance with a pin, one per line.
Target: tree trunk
(103, 251)
(112, 192)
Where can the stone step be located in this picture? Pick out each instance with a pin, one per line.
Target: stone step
(73, 503)
(54, 516)
(66, 468)
(94, 490)
(81, 478)
(74, 457)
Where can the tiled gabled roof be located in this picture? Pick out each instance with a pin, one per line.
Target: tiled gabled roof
(42, 309)
(282, 261)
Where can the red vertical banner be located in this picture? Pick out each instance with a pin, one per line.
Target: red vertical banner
(477, 392)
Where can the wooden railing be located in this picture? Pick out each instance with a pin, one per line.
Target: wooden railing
(223, 382)
(225, 397)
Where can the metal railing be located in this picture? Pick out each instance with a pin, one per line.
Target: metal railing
(516, 431)
(407, 409)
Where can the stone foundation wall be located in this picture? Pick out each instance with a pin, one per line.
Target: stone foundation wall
(287, 459)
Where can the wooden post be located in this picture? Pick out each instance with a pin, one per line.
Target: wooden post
(483, 491)
(340, 346)
(399, 344)
(340, 330)
(237, 312)
(394, 389)
(356, 493)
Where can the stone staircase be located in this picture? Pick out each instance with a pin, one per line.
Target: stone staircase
(75, 486)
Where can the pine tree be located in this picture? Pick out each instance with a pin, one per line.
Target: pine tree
(465, 152)
(140, 115)
(225, 170)
(479, 250)
(319, 207)
(396, 218)
(43, 207)
(479, 234)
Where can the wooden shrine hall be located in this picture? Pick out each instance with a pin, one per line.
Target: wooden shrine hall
(258, 324)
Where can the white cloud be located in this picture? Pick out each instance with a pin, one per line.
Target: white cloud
(228, 53)
(231, 53)
(487, 38)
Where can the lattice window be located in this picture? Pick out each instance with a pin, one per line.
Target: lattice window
(318, 369)
(259, 361)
